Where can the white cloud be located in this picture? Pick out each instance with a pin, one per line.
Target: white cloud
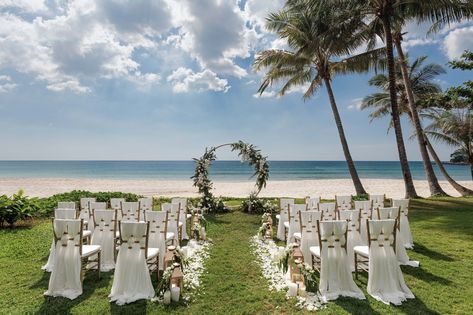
(355, 104)
(457, 41)
(185, 80)
(6, 84)
(265, 94)
(258, 10)
(30, 6)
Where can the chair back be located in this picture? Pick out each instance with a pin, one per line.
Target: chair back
(97, 206)
(328, 210)
(308, 220)
(294, 217)
(85, 212)
(116, 203)
(382, 233)
(343, 202)
(68, 232)
(173, 217)
(377, 201)
(285, 202)
(333, 235)
(312, 203)
(182, 202)
(158, 222)
(402, 204)
(130, 211)
(105, 220)
(65, 214)
(352, 217)
(66, 205)
(134, 235)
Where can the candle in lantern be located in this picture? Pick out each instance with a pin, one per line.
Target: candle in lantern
(167, 297)
(175, 293)
(292, 289)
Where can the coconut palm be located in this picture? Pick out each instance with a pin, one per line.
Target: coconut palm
(420, 77)
(453, 127)
(319, 40)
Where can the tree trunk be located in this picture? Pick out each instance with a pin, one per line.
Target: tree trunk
(461, 189)
(434, 186)
(346, 151)
(406, 172)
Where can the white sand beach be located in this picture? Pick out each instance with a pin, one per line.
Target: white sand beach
(327, 188)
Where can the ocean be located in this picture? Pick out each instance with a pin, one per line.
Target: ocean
(220, 170)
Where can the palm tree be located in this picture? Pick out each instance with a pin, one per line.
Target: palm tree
(319, 41)
(453, 127)
(420, 78)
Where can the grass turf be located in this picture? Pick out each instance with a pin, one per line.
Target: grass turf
(233, 283)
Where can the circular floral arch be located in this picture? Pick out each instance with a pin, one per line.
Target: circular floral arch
(248, 154)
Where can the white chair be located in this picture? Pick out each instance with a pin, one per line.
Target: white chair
(385, 279)
(105, 228)
(66, 276)
(366, 213)
(354, 237)
(130, 211)
(158, 235)
(132, 280)
(85, 212)
(343, 202)
(65, 214)
(174, 225)
(183, 215)
(309, 232)
(283, 217)
(66, 205)
(393, 213)
(312, 203)
(116, 204)
(377, 201)
(145, 204)
(335, 274)
(294, 224)
(329, 211)
(404, 228)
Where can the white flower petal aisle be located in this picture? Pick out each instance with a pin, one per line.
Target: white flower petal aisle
(268, 255)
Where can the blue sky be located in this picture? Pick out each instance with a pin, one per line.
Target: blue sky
(160, 80)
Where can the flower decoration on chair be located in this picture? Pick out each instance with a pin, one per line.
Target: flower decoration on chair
(248, 154)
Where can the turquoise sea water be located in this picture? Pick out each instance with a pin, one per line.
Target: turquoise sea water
(220, 170)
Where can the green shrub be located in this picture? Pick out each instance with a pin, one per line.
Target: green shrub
(17, 207)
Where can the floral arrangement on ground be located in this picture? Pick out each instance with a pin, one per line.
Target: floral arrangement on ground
(192, 258)
(269, 256)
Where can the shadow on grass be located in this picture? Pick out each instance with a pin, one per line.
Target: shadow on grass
(421, 249)
(426, 276)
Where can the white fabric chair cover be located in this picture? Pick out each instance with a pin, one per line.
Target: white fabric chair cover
(328, 210)
(283, 217)
(343, 202)
(404, 228)
(385, 279)
(401, 253)
(65, 277)
(95, 206)
(130, 211)
(309, 232)
(104, 235)
(157, 232)
(68, 214)
(66, 205)
(312, 203)
(354, 237)
(145, 204)
(116, 204)
(132, 281)
(294, 221)
(85, 212)
(182, 203)
(366, 213)
(377, 201)
(335, 273)
(84, 203)
(173, 218)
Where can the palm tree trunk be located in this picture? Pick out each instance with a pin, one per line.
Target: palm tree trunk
(346, 151)
(434, 186)
(461, 189)
(406, 172)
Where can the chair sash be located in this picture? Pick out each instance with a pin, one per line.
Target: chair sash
(366, 213)
(173, 218)
(65, 277)
(144, 205)
(353, 236)
(104, 235)
(335, 273)
(182, 203)
(312, 203)
(385, 279)
(404, 229)
(343, 202)
(309, 232)
(283, 217)
(157, 232)
(329, 211)
(132, 281)
(116, 204)
(130, 211)
(294, 221)
(85, 212)
(377, 201)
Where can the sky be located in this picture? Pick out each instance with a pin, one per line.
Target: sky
(163, 79)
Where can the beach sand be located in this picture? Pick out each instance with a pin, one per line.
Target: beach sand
(326, 188)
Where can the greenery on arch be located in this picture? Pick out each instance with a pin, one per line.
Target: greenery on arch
(248, 154)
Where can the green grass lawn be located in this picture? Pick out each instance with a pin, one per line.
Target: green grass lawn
(232, 284)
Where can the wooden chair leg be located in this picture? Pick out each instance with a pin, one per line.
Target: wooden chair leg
(157, 268)
(99, 263)
(356, 267)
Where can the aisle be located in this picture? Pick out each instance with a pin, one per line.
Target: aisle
(234, 280)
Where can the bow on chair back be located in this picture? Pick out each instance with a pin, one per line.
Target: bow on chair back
(130, 211)
(382, 233)
(328, 211)
(134, 235)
